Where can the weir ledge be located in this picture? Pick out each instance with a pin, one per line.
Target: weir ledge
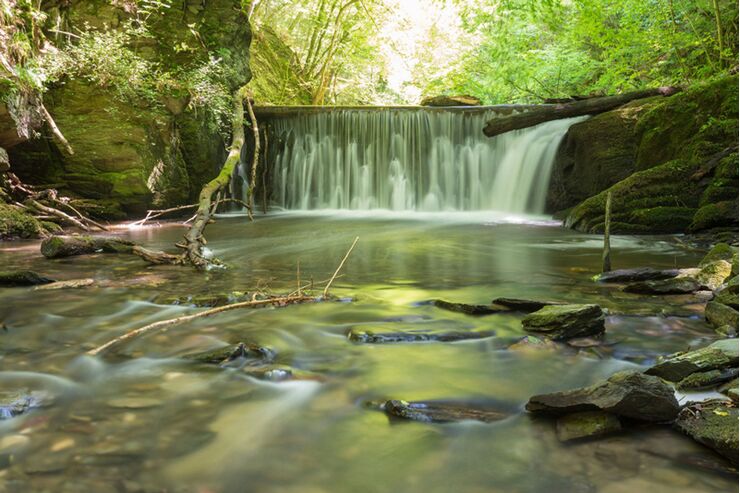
(282, 111)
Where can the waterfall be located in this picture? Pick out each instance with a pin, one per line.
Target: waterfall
(410, 160)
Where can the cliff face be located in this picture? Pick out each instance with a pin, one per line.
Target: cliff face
(133, 153)
(670, 163)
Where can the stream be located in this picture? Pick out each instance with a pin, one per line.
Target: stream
(145, 419)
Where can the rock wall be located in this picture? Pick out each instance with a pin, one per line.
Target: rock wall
(134, 155)
(670, 163)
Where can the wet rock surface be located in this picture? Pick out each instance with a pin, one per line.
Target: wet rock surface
(676, 285)
(233, 354)
(14, 278)
(15, 403)
(587, 424)
(369, 337)
(71, 284)
(638, 274)
(520, 305)
(466, 308)
(707, 379)
(443, 411)
(713, 275)
(561, 322)
(714, 424)
(629, 393)
(717, 356)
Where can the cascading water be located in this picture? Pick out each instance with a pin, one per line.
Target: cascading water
(411, 160)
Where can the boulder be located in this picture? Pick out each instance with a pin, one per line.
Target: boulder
(720, 251)
(560, 322)
(713, 423)
(369, 337)
(717, 356)
(465, 308)
(460, 100)
(442, 411)
(728, 295)
(629, 393)
(713, 274)
(22, 278)
(676, 285)
(525, 306)
(586, 425)
(638, 274)
(721, 316)
(69, 246)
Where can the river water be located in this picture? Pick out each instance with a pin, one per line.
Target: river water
(144, 419)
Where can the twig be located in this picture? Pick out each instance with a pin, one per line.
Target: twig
(278, 300)
(155, 213)
(341, 264)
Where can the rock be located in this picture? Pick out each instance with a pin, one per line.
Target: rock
(728, 295)
(370, 337)
(134, 402)
(586, 425)
(465, 308)
(636, 275)
(721, 316)
(713, 274)
(442, 412)
(461, 100)
(22, 278)
(275, 373)
(210, 300)
(712, 423)
(14, 403)
(71, 284)
(16, 223)
(720, 251)
(525, 306)
(717, 356)
(676, 285)
(68, 246)
(629, 393)
(560, 322)
(707, 379)
(529, 343)
(233, 353)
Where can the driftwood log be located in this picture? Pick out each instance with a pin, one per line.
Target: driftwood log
(591, 106)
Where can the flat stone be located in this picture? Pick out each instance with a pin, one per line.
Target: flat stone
(71, 284)
(636, 275)
(707, 379)
(370, 337)
(586, 425)
(629, 393)
(712, 423)
(442, 412)
(12, 443)
(524, 306)
(717, 356)
(560, 322)
(22, 278)
(676, 285)
(465, 308)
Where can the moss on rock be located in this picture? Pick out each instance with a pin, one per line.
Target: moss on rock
(18, 224)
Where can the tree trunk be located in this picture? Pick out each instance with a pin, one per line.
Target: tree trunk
(606, 257)
(592, 106)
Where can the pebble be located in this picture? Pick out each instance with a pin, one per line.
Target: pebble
(63, 444)
(12, 443)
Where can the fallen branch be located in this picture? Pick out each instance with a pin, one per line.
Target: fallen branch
(341, 264)
(162, 324)
(55, 132)
(583, 107)
(155, 213)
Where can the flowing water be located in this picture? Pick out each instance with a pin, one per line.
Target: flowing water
(410, 160)
(147, 420)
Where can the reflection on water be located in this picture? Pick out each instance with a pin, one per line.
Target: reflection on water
(148, 421)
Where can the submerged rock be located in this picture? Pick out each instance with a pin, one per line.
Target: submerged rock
(637, 275)
(442, 412)
(235, 352)
(560, 322)
(370, 337)
(22, 278)
(526, 306)
(676, 285)
(14, 403)
(712, 423)
(629, 393)
(277, 373)
(586, 424)
(529, 343)
(71, 284)
(466, 309)
(717, 356)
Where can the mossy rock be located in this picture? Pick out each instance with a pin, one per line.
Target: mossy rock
(714, 424)
(720, 251)
(18, 224)
(720, 315)
(719, 215)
